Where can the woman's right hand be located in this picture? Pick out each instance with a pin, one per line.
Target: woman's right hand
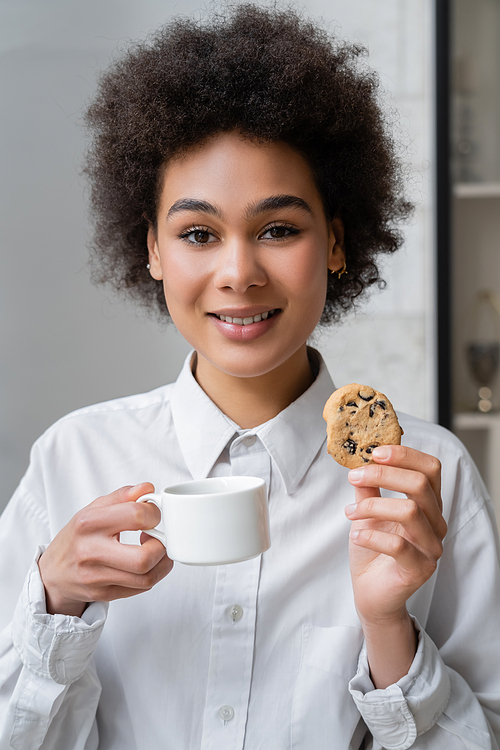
(86, 561)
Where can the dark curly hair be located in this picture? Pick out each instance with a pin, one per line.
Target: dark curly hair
(271, 75)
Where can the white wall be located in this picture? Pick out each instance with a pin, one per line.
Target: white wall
(390, 344)
(64, 343)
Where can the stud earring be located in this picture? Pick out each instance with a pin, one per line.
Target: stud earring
(148, 266)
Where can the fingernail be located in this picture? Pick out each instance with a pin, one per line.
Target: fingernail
(349, 509)
(356, 474)
(354, 534)
(382, 452)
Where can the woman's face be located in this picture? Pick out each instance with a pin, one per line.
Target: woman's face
(243, 248)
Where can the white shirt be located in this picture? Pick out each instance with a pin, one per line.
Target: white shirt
(262, 655)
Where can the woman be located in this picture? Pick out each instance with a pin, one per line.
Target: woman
(242, 175)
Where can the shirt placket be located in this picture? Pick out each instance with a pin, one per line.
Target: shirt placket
(233, 625)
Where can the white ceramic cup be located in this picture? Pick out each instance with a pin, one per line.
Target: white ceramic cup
(212, 521)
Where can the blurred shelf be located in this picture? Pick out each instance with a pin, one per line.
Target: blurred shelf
(476, 190)
(474, 420)
(481, 435)
(474, 167)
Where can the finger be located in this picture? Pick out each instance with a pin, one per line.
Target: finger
(112, 519)
(106, 584)
(414, 484)
(132, 558)
(413, 565)
(409, 458)
(403, 512)
(362, 493)
(116, 591)
(127, 494)
(143, 581)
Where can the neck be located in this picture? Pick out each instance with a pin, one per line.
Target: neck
(254, 400)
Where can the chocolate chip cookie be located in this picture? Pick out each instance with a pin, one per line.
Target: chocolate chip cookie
(358, 419)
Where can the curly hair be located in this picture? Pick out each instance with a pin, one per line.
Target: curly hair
(271, 75)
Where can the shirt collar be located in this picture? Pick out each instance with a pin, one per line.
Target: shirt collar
(292, 438)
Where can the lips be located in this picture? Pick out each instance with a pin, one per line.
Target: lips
(246, 321)
(241, 326)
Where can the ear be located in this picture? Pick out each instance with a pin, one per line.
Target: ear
(154, 254)
(336, 253)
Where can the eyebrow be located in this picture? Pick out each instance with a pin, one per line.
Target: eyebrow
(273, 203)
(193, 204)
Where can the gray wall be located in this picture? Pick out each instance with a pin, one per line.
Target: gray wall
(64, 343)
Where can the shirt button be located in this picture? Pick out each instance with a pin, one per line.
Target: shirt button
(250, 440)
(226, 713)
(235, 612)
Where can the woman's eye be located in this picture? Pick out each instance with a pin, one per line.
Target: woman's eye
(198, 236)
(278, 232)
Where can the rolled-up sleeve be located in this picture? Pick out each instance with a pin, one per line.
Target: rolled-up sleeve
(451, 694)
(397, 715)
(46, 672)
(49, 687)
(56, 647)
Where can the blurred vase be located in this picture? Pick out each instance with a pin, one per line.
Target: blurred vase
(483, 349)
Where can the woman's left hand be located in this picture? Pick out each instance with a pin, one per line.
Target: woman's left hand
(395, 543)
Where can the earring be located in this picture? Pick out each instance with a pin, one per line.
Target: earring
(344, 270)
(148, 266)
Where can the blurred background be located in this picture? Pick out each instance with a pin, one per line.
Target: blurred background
(65, 343)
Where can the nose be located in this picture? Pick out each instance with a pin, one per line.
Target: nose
(239, 266)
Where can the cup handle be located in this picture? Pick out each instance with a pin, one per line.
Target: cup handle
(153, 497)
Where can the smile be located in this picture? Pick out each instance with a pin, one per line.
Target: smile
(246, 321)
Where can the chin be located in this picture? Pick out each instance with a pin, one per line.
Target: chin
(248, 363)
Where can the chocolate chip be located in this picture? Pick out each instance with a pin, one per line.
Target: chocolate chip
(352, 403)
(370, 448)
(350, 446)
(341, 408)
(367, 394)
(374, 406)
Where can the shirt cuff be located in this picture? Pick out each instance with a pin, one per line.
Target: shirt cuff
(397, 715)
(58, 647)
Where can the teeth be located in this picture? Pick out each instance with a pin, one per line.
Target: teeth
(246, 321)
